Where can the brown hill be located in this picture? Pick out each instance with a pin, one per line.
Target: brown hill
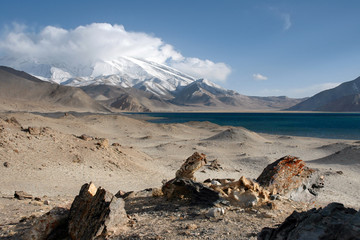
(344, 98)
(126, 99)
(201, 93)
(20, 91)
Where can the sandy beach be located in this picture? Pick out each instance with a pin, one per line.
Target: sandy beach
(118, 152)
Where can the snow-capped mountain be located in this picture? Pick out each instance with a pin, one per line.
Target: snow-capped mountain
(125, 72)
(141, 85)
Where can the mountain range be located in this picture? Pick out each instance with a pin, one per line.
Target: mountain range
(130, 84)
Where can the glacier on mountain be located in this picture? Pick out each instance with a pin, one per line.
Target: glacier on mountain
(125, 72)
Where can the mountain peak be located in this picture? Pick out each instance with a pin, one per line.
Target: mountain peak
(123, 71)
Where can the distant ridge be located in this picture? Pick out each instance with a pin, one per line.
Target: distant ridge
(20, 74)
(20, 91)
(173, 92)
(126, 99)
(343, 98)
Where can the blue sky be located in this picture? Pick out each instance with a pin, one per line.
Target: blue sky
(269, 48)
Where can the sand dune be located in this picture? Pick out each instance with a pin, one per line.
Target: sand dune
(237, 134)
(347, 156)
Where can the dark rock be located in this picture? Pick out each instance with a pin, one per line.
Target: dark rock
(96, 213)
(21, 195)
(6, 164)
(333, 222)
(198, 193)
(290, 177)
(120, 194)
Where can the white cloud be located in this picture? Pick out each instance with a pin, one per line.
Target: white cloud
(259, 77)
(203, 68)
(87, 44)
(287, 21)
(300, 92)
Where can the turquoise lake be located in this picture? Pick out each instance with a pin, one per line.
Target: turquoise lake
(322, 125)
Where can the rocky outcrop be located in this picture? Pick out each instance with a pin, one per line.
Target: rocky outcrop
(290, 177)
(244, 192)
(332, 222)
(184, 186)
(191, 165)
(197, 193)
(287, 176)
(52, 225)
(96, 213)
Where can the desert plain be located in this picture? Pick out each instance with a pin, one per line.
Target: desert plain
(127, 153)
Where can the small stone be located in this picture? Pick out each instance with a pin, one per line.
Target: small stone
(214, 165)
(157, 192)
(11, 233)
(216, 183)
(36, 203)
(34, 130)
(272, 205)
(191, 226)
(120, 194)
(246, 199)
(21, 195)
(268, 215)
(215, 212)
(103, 143)
(86, 137)
(46, 202)
(6, 164)
(78, 159)
(37, 199)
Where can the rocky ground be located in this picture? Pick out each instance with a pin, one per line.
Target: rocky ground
(51, 158)
(157, 218)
